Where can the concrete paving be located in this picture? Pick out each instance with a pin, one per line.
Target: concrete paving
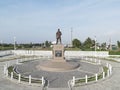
(57, 79)
(6, 84)
(111, 83)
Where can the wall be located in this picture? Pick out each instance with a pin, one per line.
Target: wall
(67, 53)
(5, 53)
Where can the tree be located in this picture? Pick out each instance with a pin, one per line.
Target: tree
(103, 46)
(47, 44)
(76, 43)
(88, 43)
(118, 43)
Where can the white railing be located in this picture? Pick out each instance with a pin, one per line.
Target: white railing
(67, 53)
(19, 76)
(5, 53)
(72, 82)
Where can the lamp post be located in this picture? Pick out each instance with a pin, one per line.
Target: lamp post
(71, 36)
(110, 46)
(14, 43)
(95, 46)
(1, 44)
(95, 43)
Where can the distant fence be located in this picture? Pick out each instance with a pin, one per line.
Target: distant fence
(67, 53)
(6, 53)
(87, 53)
(106, 72)
(33, 52)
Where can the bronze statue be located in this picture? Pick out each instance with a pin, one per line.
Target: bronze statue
(58, 36)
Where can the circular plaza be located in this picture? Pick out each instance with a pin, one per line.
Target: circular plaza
(24, 72)
(57, 79)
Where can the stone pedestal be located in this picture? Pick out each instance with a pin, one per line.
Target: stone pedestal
(58, 63)
(58, 53)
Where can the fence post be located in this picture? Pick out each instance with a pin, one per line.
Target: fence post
(19, 78)
(103, 75)
(5, 68)
(86, 79)
(29, 79)
(11, 76)
(42, 81)
(73, 81)
(110, 68)
(96, 77)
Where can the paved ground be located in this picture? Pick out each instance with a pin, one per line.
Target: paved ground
(57, 79)
(111, 83)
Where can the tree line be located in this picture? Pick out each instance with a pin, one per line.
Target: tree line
(90, 45)
(9, 46)
(87, 45)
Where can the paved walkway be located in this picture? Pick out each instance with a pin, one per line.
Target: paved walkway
(57, 79)
(6, 84)
(111, 83)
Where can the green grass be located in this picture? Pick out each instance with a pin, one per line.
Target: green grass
(6, 48)
(117, 52)
(80, 81)
(105, 70)
(10, 69)
(91, 79)
(72, 49)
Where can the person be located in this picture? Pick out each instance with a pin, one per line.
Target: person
(58, 36)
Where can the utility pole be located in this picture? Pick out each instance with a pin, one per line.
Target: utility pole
(14, 43)
(95, 46)
(71, 36)
(110, 46)
(1, 44)
(95, 43)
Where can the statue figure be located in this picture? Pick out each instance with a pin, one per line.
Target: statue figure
(58, 36)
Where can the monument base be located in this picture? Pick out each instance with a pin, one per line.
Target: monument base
(58, 63)
(58, 66)
(58, 53)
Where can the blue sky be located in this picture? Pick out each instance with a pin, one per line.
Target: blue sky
(38, 20)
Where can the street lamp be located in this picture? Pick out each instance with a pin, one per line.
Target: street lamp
(1, 44)
(95, 46)
(14, 43)
(71, 36)
(95, 43)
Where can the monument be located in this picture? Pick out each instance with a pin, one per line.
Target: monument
(58, 36)
(58, 49)
(58, 62)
